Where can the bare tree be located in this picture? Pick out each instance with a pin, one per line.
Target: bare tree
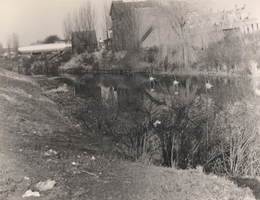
(67, 27)
(185, 30)
(107, 22)
(37, 42)
(80, 24)
(83, 19)
(51, 39)
(1, 48)
(9, 45)
(15, 44)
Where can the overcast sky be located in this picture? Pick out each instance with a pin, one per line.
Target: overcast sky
(34, 20)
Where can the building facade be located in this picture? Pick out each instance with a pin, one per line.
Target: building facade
(241, 19)
(132, 24)
(139, 24)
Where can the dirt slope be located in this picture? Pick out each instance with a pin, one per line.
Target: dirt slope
(37, 143)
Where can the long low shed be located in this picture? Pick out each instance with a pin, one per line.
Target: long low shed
(44, 48)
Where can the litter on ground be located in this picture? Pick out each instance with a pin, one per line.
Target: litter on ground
(46, 185)
(30, 193)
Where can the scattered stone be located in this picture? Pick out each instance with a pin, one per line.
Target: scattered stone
(30, 193)
(46, 185)
(50, 152)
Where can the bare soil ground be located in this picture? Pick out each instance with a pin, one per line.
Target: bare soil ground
(38, 142)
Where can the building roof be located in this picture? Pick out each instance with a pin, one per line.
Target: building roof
(120, 6)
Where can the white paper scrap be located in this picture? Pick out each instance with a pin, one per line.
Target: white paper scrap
(30, 193)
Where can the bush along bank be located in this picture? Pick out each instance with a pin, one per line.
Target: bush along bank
(36, 64)
(135, 134)
(60, 144)
(141, 61)
(234, 55)
(184, 134)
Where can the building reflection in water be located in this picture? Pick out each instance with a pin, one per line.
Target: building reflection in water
(123, 91)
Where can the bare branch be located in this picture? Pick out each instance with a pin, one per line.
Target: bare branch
(9, 45)
(185, 27)
(67, 27)
(80, 26)
(1, 48)
(107, 22)
(15, 44)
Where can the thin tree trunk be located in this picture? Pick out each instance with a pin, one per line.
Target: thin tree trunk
(172, 161)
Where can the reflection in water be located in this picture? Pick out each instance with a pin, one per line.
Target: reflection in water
(207, 83)
(120, 90)
(208, 86)
(108, 95)
(72, 89)
(193, 99)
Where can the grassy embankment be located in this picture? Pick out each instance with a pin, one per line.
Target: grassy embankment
(39, 142)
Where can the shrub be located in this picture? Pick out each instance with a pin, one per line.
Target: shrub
(7, 64)
(26, 64)
(239, 139)
(233, 54)
(84, 61)
(134, 60)
(251, 48)
(108, 60)
(223, 55)
(38, 67)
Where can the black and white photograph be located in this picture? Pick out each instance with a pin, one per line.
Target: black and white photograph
(130, 99)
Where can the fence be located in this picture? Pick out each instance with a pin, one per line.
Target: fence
(127, 72)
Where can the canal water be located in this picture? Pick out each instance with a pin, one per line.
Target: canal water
(120, 89)
(176, 119)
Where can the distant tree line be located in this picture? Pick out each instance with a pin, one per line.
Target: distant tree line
(48, 40)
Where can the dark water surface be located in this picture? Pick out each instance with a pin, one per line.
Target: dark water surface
(190, 112)
(119, 90)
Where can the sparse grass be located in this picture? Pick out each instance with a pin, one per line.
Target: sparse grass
(31, 125)
(83, 61)
(190, 184)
